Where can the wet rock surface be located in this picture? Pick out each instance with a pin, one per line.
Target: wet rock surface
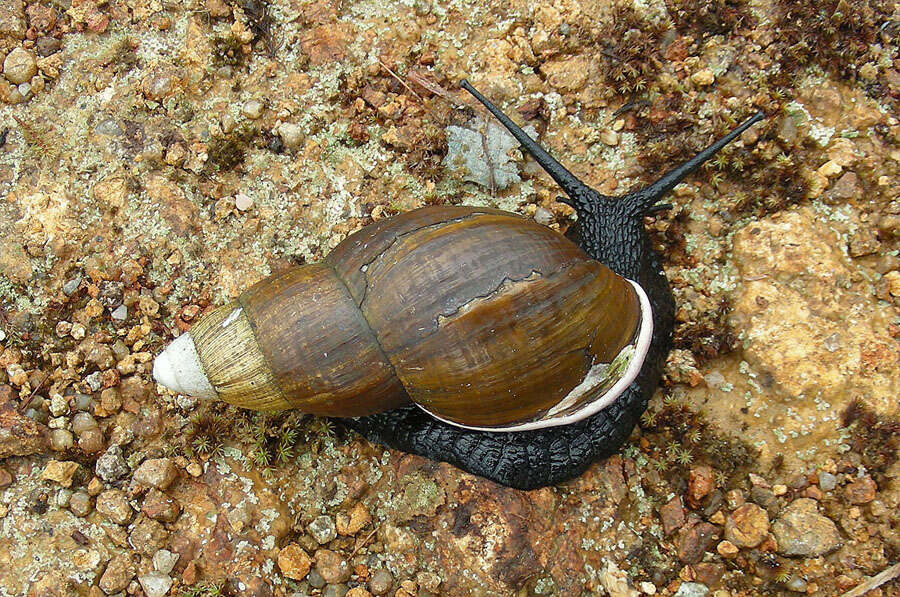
(802, 531)
(156, 158)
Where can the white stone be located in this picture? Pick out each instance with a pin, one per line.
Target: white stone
(164, 560)
(155, 584)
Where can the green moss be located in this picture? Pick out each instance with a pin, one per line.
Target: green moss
(227, 50)
(229, 151)
(875, 438)
(710, 17)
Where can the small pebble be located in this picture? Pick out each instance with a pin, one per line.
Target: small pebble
(155, 584)
(252, 109)
(543, 216)
(156, 472)
(120, 313)
(243, 202)
(164, 561)
(111, 466)
(703, 77)
(94, 381)
(80, 504)
(78, 331)
(83, 402)
(63, 496)
(83, 421)
(291, 134)
(322, 529)
(827, 481)
(60, 471)
(797, 584)
(118, 575)
(91, 441)
(59, 406)
(692, 589)
(332, 566)
(61, 440)
(335, 590)
(802, 531)
(19, 66)
(293, 562)
(315, 579)
(609, 137)
(113, 504)
(381, 582)
(47, 46)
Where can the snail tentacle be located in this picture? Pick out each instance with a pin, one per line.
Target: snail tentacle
(643, 200)
(581, 196)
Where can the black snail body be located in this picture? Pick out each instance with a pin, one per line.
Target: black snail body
(473, 379)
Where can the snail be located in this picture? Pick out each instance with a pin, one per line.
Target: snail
(464, 334)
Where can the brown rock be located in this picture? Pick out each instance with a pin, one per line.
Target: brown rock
(20, 66)
(727, 549)
(60, 472)
(861, 490)
(80, 504)
(332, 566)
(701, 482)
(133, 389)
(326, 43)
(567, 74)
(802, 531)
(19, 435)
(159, 506)
(672, 515)
(357, 592)
(117, 575)
(709, 573)
(218, 8)
(156, 472)
(148, 535)
(354, 521)
(747, 526)
(846, 187)
(91, 441)
(294, 562)
(12, 18)
(111, 400)
(694, 541)
(113, 504)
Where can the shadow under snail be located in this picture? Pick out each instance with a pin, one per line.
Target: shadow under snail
(464, 334)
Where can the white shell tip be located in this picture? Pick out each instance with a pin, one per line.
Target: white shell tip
(178, 368)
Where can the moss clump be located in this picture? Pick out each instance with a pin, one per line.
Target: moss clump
(709, 335)
(834, 34)
(873, 437)
(229, 151)
(631, 50)
(207, 432)
(710, 17)
(205, 589)
(227, 50)
(681, 437)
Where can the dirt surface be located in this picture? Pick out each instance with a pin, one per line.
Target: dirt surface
(158, 157)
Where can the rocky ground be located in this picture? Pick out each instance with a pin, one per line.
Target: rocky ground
(156, 157)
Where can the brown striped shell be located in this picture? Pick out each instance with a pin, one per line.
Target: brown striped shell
(481, 317)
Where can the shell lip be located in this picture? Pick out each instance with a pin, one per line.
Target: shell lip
(179, 368)
(641, 347)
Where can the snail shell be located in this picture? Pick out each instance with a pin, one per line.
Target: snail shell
(482, 318)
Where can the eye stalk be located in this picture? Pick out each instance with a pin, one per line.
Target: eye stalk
(639, 203)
